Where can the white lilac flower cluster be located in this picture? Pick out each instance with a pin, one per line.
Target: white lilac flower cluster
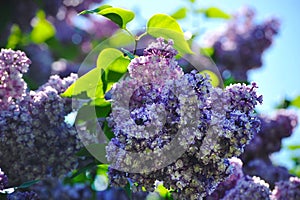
(175, 127)
(35, 140)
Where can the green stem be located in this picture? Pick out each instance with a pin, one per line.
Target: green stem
(135, 40)
(140, 36)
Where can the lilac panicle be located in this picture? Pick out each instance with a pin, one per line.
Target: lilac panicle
(266, 170)
(273, 130)
(175, 127)
(12, 66)
(157, 65)
(230, 182)
(287, 190)
(249, 188)
(35, 140)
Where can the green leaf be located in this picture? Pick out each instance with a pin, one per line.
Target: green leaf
(98, 151)
(296, 102)
(89, 112)
(119, 16)
(107, 131)
(207, 51)
(15, 36)
(293, 147)
(114, 64)
(285, 103)
(95, 10)
(214, 79)
(27, 184)
(180, 13)
(161, 25)
(111, 66)
(42, 29)
(121, 38)
(90, 83)
(214, 12)
(112, 59)
(84, 169)
(102, 169)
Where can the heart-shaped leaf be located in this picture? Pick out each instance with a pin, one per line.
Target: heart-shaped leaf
(162, 25)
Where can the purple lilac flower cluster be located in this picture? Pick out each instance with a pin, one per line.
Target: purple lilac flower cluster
(74, 37)
(54, 188)
(240, 47)
(240, 187)
(266, 141)
(28, 195)
(16, 195)
(266, 170)
(243, 187)
(287, 190)
(3, 180)
(13, 64)
(273, 130)
(35, 140)
(176, 127)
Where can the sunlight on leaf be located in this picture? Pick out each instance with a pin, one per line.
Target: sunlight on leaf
(180, 14)
(161, 25)
(42, 29)
(296, 102)
(208, 51)
(119, 16)
(95, 10)
(214, 12)
(121, 39)
(112, 59)
(15, 36)
(89, 83)
(293, 147)
(214, 79)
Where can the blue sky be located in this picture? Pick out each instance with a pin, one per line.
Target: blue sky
(279, 76)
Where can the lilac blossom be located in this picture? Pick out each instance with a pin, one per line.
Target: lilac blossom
(287, 190)
(176, 127)
(35, 140)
